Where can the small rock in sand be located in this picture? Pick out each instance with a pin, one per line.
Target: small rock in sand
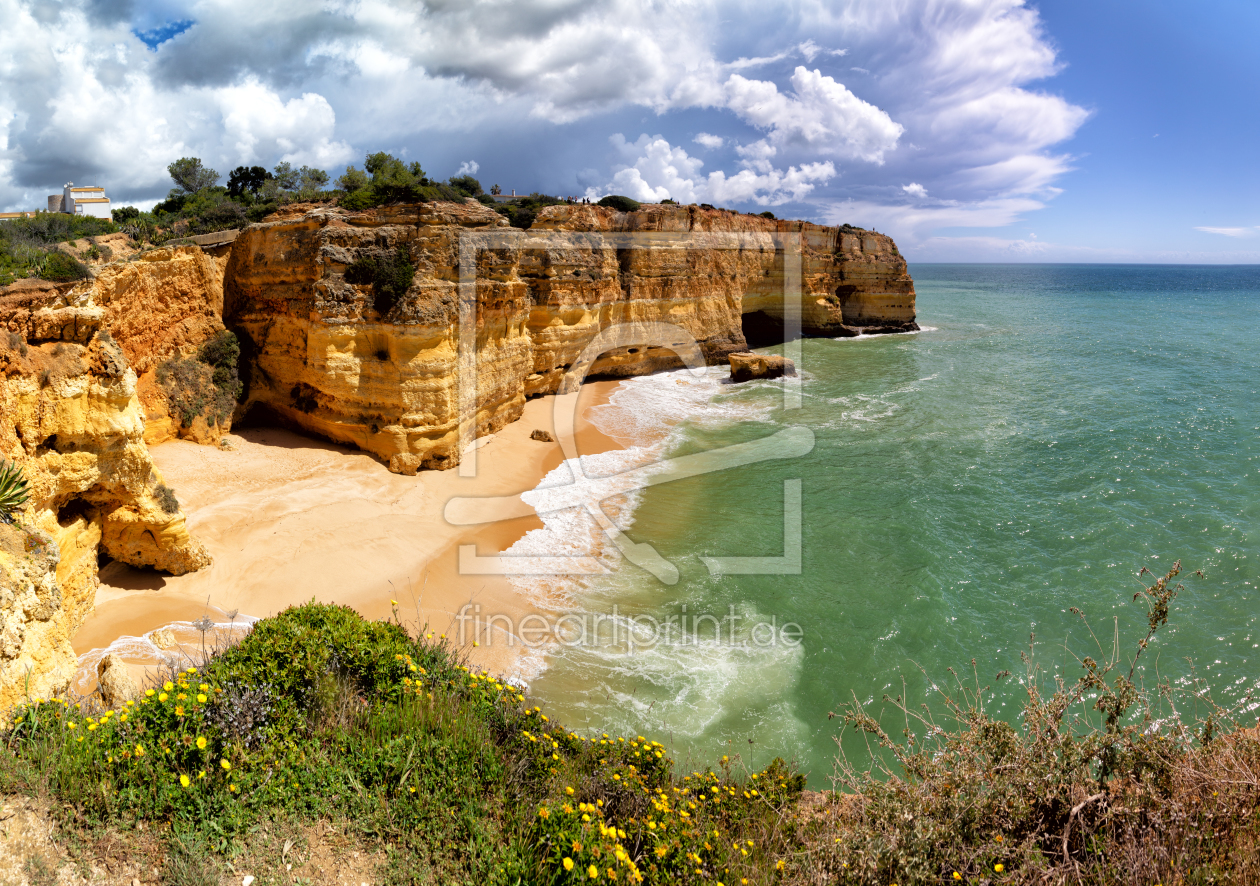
(542, 436)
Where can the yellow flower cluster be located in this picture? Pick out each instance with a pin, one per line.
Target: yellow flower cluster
(607, 849)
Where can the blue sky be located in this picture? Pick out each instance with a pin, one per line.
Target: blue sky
(1173, 142)
(970, 130)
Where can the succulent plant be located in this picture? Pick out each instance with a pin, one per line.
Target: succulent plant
(14, 490)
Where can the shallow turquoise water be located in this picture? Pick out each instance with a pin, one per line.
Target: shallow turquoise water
(1057, 429)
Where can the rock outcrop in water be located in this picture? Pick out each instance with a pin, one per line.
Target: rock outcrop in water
(747, 366)
(331, 357)
(70, 417)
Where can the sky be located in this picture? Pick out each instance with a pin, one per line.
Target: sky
(969, 130)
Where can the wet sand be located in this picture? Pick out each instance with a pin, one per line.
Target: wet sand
(289, 518)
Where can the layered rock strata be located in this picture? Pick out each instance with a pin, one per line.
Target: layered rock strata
(330, 357)
(164, 303)
(70, 417)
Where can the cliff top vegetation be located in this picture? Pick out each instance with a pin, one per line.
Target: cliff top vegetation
(451, 775)
(28, 246)
(199, 204)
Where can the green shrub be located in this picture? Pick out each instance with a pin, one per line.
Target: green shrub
(466, 185)
(768, 214)
(166, 498)
(389, 275)
(124, 214)
(15, 491)
(619, 203)
(63, 268)
(223, 354)
(206, 386)
(521, 211)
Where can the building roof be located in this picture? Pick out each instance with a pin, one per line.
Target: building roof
(92, 200)
(88, 189)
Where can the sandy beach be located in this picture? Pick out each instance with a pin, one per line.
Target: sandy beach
(290, 518)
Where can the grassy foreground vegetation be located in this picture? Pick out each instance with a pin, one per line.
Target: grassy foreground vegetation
(321, 714)
(456, 778)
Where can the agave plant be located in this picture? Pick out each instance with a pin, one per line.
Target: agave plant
(14, 490)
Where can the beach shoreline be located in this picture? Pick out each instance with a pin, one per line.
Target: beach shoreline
(290, 518)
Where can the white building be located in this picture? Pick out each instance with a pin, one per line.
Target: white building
(80, 201)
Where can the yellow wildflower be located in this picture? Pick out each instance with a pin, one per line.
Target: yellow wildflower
(201, 742)
(162, 696)
(568, 863)
(168, 685)
(201, 697)
(999, 868)
(183, 780)
(225, 764)
(592, 872)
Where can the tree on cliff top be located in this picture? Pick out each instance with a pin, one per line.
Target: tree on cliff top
(190, 175)
(392, 181)
(391, 178)
(246, 178)
(466, 185)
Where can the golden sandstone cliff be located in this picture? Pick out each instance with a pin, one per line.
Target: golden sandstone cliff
(331, 359)
(79, 397)
(164, 303)
(70, 417)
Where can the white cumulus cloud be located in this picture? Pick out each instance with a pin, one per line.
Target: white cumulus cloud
(819, 114)
(659, 171)
(954, 98)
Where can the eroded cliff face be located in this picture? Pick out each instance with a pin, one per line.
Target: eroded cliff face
(70, 417)
(163, 303)
(330, 359)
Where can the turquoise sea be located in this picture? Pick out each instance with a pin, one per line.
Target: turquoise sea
(1053, 430)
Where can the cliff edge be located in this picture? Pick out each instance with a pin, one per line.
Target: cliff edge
(331, 356)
